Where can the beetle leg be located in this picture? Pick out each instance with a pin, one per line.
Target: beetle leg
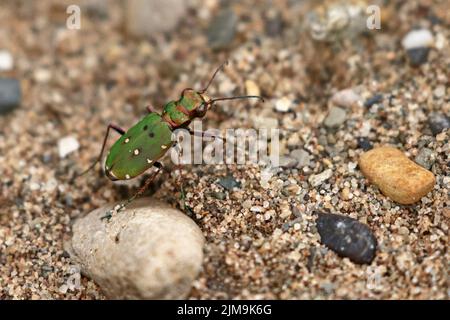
(180, 176)
(110, 126)
(122, 206)
(151, 109)
(158, 166)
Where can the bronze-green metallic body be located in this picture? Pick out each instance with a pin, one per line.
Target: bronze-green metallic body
(148, 140)
(138, 149)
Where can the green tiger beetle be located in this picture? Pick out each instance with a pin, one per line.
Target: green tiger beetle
(140, 147)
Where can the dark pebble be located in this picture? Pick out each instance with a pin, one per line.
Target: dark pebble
(45, 270)
(438, 122)
(347, 237)
(222, 30)
(418, 56)
(219, 195)
(229, 183)
(65, 254)
(364, 143)
(68, 200)
(274, 26)
(285, 226)
(375, 99)
(46, 158)
(10, 94)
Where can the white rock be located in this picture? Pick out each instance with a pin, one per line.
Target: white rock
(417, 39)
(346, 98)
(67, 145)
(6, 61)
(318, 179)
(42, 75)
(147, 251)
(283, 105)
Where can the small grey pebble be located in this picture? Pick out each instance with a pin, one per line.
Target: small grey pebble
(219, 195)
(424, 141)
(438, 122)
(425, 158)
(328, 287)
(229, 182)
(287, 162)
(10, 94)
(46, 158)
(68, 200)
(336, 116)
(322, 140)
(222, 30)
(285, 226)
(303, 157)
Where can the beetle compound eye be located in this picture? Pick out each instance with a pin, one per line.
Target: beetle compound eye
(202, 109)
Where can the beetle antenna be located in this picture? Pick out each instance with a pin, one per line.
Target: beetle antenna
(214, 75)
(236, 97)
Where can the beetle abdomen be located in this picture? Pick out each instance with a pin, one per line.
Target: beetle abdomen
(139, 148)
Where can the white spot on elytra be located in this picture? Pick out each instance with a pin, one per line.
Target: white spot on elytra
(112, 174)
(136, 152)
(149, 161)
(127, 140)
(163, 147)
(127, 176)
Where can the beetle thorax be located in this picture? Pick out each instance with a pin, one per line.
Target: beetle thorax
(181, 112)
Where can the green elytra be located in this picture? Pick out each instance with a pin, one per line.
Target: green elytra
(140, 147)
(149, 139)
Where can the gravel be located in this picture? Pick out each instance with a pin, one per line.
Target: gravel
(75, 83)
